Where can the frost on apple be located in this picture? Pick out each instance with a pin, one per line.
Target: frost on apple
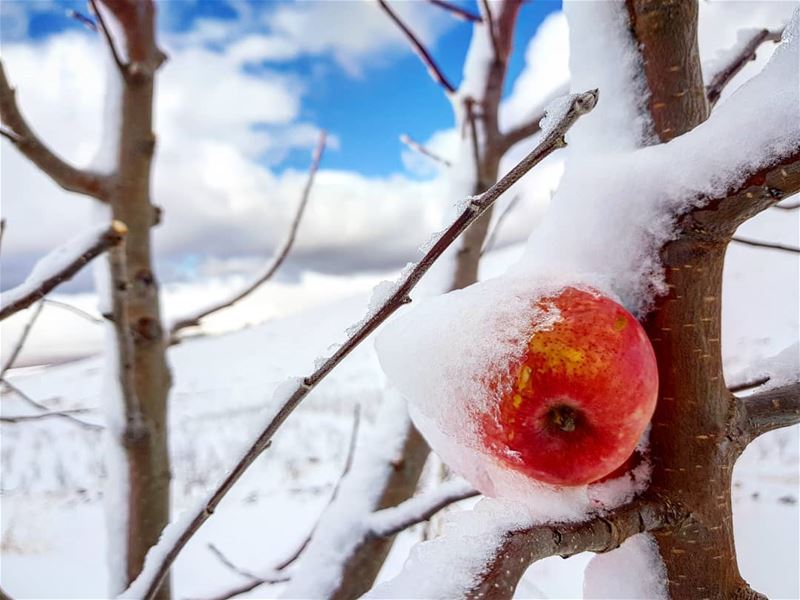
(516, 383)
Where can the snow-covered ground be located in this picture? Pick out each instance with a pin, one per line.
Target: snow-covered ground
(53, 526)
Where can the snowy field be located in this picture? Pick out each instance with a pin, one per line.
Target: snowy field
(53, 525)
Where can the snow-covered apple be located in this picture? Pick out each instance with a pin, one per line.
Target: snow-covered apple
(573, 407)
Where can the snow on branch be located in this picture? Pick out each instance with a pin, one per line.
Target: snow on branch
(61, 265)
(492, 547)
(740, 57)
(768, 410)
(415, 145)
(19, 133)
(433, 69)
(112, 47)
(291, 394)
(771, 245)
(277, 260)
(529, 127)
(391, 521)
(794, 206)
(461, 13)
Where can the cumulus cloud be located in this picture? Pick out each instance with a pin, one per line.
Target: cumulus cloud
(221, 129)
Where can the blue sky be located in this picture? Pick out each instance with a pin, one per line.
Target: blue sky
(369, 111)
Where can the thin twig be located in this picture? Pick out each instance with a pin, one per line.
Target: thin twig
(22, 339)
(103, 27)
(492, 237)
(461, 13)
(770, 245)
(530, 127)
(2, 231)
(74, 309)
(50, 413)
(745, 55)
(433, 69)
(292, 558)
(489, 22)
(19, 133)
(27, 293)
(581, 104)
(279, 257)
(230, 564)
(83, 20)
(748, 385)
(45, 415)
(415, 145)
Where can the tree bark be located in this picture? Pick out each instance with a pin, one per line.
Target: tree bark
(145, 444)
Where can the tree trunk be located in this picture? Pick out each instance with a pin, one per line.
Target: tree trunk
(145, 392)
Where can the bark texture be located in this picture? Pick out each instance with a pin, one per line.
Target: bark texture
(145, 436)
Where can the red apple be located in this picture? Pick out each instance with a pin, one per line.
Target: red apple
(573, 408)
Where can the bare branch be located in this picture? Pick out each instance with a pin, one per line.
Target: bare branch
(748, 385)
(492, 237)
(21, 341)
(83, 20)
(461, 13)
(19, 133)
(47, 412)
(230, 564)
(249, 587)
(279, 257)
(581, 104)
(59, 266)
(530, 126)
(414, 145)
(45, 415)
(74, 309)
(2, 231)
(770, 245)
(433, 69)
(771, 409)
(103, 27)
(744, 56)
(490, 25)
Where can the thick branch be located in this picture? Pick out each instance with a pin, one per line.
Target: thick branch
(278, 259)
(20, 134)
(415, 145)
(146, 586)
(601, 533)
(433, 69)
(457, 10)
(771, 245)
(768, 410)
(745, 55)
(59, 266)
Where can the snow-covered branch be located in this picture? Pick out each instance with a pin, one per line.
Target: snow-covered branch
(19, 133)
(741, 56)
(277, 260)
(112, 47)
(770, 245)
(161, 556)
(768, 410)
(418, 509)
(425, 56)
(61, 265)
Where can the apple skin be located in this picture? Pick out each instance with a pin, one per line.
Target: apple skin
(572, 409)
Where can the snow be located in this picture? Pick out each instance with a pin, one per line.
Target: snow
(53, 263)
(638, 557)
